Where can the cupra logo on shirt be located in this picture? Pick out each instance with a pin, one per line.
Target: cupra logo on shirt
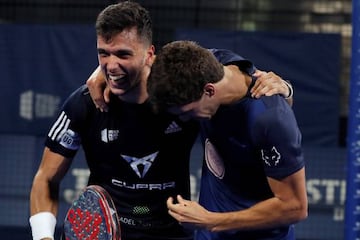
(141, 165)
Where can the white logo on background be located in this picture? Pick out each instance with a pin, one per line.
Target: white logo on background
(38, 105)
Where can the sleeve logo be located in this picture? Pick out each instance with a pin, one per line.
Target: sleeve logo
(271, 157)
(70, 140)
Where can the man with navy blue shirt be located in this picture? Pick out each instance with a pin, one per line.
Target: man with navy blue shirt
(253, 176)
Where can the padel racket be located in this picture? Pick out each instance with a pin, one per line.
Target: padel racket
(92, 216)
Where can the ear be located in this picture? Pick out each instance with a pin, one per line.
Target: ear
(209, 89)
(151, 55)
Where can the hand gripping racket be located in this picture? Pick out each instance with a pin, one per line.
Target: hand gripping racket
(92, 216)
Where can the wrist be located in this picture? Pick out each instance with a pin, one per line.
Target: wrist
(290, 88)
(42, 225)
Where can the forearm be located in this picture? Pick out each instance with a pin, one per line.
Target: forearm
(43, 209)
(266, 214)
(97, 88)
(43, 197)
(289, 205)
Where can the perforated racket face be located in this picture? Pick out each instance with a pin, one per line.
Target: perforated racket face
(92, 216)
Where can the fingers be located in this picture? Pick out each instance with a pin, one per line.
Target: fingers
(99, 103)
(107, 94)
(179, 207)
(268, 84)
(99, 96)
(103, 100)
(180, 200)
(173, 211)
(258, 73)
(170, 202)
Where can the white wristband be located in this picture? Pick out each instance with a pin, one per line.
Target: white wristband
(42, 225)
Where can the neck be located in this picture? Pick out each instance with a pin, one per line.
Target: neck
(137, 95)
(234, 85)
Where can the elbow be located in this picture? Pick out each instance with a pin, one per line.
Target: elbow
(305, 213)
(302, 213)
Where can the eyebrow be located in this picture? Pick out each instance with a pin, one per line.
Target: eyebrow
(101, 51)
(117, 52)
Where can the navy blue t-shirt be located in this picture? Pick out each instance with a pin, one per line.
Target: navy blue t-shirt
(245, 143)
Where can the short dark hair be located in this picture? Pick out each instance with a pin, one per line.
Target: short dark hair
(180, 72)
(117, 17)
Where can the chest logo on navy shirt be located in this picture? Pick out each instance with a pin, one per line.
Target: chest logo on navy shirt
(141, 165)
(108, 135)
(271, 157)
(213, 160)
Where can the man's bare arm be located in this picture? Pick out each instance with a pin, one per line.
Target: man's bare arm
(100, 94)
(44, 195)
(289, 205)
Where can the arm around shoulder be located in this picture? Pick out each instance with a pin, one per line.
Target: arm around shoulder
(97, 87)
(269, 83)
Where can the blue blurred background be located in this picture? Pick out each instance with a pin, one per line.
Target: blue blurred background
(48, 48)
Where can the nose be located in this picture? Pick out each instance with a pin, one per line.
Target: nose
(113, 63)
